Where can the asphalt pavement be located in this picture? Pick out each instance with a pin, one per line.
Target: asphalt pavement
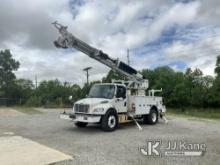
(91, 145)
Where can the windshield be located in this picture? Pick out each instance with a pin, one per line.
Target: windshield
(102, 91)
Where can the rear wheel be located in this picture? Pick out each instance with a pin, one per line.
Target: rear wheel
(81, 124)
(109, 121)
(152, 117)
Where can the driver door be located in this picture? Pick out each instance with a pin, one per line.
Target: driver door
(120, 99)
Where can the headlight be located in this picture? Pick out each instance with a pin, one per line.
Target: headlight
(98, 110)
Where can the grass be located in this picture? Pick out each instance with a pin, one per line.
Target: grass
(27, 110)
(208, 113)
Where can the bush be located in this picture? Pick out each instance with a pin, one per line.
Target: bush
(34, 101)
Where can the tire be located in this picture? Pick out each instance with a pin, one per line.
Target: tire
(152, 117)
(109, 121)
(81, 124)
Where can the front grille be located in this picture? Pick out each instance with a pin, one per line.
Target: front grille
(82, 108)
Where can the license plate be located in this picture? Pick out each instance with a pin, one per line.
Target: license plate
(65, 117)
(81, 118)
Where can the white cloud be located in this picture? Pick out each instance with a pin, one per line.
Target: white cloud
(56, 64)
(200, 54)
(179, 14)
(112, 26)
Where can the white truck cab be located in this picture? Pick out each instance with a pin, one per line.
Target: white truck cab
(110, 104)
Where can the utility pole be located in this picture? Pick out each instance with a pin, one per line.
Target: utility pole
(35, 81)
(128, 57)
(87, 73)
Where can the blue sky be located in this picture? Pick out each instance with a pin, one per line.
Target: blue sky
(177, 33)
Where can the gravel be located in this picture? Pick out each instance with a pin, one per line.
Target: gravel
(91, 145)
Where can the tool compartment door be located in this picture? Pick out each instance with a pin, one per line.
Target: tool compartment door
(143, 104)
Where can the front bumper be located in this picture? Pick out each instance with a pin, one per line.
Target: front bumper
(87, 118)
(67, 116)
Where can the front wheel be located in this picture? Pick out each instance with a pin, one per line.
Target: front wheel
(109, 121)
(152, 117)
(81, 124)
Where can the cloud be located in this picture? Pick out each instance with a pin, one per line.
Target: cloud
(112, 26)
(31, 21)
(56, 64)
(209, 13)
(198, 54)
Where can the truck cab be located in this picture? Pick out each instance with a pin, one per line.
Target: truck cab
(110, 104)
(101, 98)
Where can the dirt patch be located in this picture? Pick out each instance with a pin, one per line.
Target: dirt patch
(5, 111)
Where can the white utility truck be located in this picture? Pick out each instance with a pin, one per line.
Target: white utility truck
(112, 103)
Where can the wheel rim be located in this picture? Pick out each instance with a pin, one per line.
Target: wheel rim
(154, 117)
(111, 121)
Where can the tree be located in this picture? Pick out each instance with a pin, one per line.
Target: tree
(113, 75)
(165, 79)
(217, 68)
(50, 91)
(207, 84)
(23, 88)
(216, 84)
(180, 96)
(55, 93)
(196, 90)
(150, 75)
(7, 66)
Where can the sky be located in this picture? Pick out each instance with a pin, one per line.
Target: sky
(177, 33)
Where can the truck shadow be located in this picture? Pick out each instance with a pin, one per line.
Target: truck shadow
(90, 129)
(96, 128)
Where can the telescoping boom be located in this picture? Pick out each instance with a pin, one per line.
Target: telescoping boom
(68, 40)
(112, 103)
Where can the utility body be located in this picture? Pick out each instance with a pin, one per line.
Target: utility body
(112, 103)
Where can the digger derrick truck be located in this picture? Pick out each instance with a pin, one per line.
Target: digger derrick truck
(111, 103)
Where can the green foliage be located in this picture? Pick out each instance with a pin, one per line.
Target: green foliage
(34, 101)
(165, 78)
(113, 75)
(215, 89)
(7, 66)
(54, 93)
(22, 88)
(180, 96)
(184, 89)
(217, 68)
(180, 90)
(209, 113)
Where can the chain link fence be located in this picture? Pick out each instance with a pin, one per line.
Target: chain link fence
(36, 102)
(11, 101)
